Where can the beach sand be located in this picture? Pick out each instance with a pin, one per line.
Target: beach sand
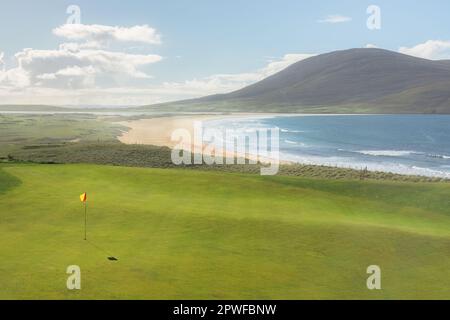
(158, 132)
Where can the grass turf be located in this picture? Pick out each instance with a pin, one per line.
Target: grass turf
(184, 234)
(28, 131)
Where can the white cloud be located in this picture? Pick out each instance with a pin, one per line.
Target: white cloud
(78, 65)
(431, 49)
(82, 70)
(35, 67)
(371, 46)
(70, 77)
(75, 46)
(72, 84)
(278, 65)
(101, 33)
(335, 18)
(222, 83)
(14, 79)
(76, 71)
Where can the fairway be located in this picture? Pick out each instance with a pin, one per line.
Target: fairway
(185, 234)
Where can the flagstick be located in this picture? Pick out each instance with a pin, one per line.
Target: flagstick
(85, 219)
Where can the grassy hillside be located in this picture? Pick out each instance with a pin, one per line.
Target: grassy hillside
(193, 234)
(115, 153)
(348, 81)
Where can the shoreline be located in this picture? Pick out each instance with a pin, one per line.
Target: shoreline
(157, 131)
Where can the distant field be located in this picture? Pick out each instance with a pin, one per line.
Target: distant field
(186, 234)
(19, 130)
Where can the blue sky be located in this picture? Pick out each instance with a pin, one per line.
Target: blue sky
(200, 39)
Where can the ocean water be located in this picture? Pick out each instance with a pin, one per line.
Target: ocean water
(406, 144)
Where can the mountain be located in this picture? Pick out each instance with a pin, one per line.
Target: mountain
(349, 81)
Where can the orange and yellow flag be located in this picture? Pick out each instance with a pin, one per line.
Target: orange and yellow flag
(83, 197)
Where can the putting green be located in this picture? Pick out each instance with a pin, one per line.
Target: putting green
(183, 234)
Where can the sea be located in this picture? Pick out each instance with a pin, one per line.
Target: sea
(404, 144)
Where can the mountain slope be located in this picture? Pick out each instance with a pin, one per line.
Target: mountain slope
(355, 80)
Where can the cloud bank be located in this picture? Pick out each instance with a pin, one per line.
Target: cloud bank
(431, 49)
(83, 70)
(104, 34)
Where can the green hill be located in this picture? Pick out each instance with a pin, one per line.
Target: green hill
(349, 81)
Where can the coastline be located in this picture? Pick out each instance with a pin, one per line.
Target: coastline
(157, 131)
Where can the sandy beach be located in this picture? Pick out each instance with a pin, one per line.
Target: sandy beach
(158, 132)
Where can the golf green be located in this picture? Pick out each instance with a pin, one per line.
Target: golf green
(185, 234)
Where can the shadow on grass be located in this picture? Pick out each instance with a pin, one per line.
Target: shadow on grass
(109, 257)
(8, 181)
